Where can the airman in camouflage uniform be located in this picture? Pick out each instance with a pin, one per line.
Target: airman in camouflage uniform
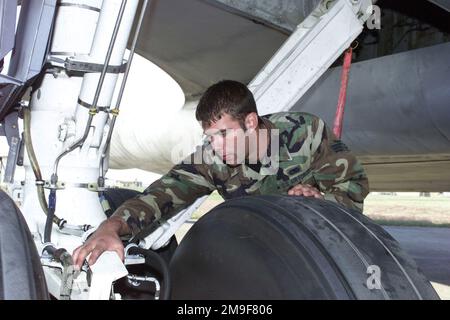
(302, 158)
(309, 153)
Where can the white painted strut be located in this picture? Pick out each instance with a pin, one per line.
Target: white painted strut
(57, 119)
(308, 53)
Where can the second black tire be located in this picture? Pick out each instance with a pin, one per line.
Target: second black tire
(282, 247)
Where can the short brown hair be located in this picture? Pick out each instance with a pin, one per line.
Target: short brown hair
(227, 96)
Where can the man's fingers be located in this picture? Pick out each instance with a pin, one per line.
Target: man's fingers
(118, 247)
(303, 187)
(305, 190)
(94, 255)
(76, 258)
(121, 253)
(309, 193)
(296, 191)
(313, 193)
(81, 254)
(75, 254)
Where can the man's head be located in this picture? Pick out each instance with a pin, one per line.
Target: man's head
(227, 110)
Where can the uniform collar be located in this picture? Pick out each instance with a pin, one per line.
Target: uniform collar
(284, 154)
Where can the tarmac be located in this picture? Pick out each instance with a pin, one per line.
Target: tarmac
(430, 248)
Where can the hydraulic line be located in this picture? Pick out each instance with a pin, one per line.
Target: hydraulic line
(115, 111)
(60, 255)
(35, 165)
(62, 224)
(339, 117)
(154, 260)
(94, 109)
(50, 215)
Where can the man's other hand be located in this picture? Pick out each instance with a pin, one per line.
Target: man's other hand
(305, 190)
(106, 238)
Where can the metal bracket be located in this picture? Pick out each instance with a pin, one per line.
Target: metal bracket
(79, 6)
(21, 152)
(10, 128)
(134, 259)
(93, 186)
(90, 106)
(61, 185)
(89, 67)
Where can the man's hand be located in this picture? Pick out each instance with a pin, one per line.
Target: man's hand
(305, 190)
(106, 238)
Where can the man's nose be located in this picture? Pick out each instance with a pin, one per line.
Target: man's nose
(217, 143)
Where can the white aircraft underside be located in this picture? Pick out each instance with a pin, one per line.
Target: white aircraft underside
(199, 43)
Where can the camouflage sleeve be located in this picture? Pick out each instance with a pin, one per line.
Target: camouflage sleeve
(167, 196)
(336, 171)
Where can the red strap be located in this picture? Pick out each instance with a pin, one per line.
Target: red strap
(337, 129)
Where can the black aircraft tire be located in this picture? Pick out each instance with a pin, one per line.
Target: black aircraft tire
(21, 274)
(285, 247)
(117, 196)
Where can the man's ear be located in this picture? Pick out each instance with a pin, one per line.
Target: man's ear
(251, 121)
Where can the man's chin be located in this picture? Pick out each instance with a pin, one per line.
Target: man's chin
(232, 163)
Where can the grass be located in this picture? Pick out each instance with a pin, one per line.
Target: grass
(409, 209)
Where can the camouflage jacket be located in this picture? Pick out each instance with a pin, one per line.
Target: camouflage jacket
(309, 153)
